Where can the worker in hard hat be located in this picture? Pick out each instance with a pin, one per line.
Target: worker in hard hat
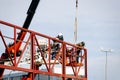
(81, 44)
(56, 45)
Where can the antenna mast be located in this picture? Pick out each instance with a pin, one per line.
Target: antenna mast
(76, 25)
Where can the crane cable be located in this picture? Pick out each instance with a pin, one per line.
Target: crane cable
(76, 23)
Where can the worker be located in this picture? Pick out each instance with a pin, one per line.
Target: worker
(56, 45)
(81, 44)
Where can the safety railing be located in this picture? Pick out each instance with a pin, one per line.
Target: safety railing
(37, 50)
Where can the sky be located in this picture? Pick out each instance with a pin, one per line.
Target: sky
(98, 27)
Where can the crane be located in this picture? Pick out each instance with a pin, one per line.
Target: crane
(66, 55)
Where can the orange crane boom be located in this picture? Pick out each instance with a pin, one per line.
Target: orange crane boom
(30, 14)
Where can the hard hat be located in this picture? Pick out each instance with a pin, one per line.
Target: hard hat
(60, 34)
(82, 43)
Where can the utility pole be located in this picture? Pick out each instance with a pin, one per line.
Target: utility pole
(106, 52)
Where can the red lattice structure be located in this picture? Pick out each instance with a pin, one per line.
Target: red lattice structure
(35, 54)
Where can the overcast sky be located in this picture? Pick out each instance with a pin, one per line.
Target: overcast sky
(98, 26)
